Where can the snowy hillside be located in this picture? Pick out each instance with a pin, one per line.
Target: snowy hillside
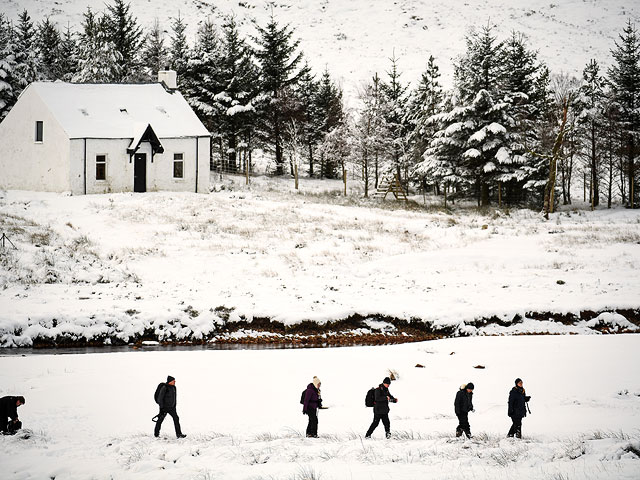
(90, 415)
(173, 266)
(355, 38)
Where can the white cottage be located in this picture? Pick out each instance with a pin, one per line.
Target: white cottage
(99, 138)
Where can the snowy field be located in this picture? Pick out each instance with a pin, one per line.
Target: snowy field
(91, 414)
(355, 38)
(176, 265)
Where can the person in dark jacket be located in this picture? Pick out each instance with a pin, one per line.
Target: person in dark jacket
(167, 399)
(312, 401)
(9, 421)
(517, 408)
(381, 408)
(463, 404)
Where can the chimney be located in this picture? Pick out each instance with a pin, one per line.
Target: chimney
(169, 78)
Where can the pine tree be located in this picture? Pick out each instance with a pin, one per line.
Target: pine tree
(68, 59)
(125, 33)
(203, 82)
(49, 50)
(624, 78)
(154, 55)
(424, 102)
(8, 48)
(279, 60)
(238, 80)
(394, 93)
(591, 119)
(26, 56)
(98, 59)
(330, 115)
(309, 125)
(179, 53)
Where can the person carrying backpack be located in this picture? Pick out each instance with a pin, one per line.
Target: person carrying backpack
(382, 397)
(166, 398)
(517, 409)
(463, 404)
(9, 421)
(312, 401)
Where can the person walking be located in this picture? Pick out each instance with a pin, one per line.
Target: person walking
(312, 401)
(9, 421)
(517, 409)
(463, 404)
(382, 397)
(167, 400)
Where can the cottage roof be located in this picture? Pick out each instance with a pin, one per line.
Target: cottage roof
(117, 110)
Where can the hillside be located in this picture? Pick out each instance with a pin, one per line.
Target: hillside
(356, 38)
(184, 267)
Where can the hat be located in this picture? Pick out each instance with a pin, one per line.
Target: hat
(470, 385)
(170, 379)
(518, 380)
(316, 382)
(387, 380)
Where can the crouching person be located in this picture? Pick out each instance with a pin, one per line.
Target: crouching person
(312, 401)
(463, 404)
(167, 400)
(9, 421)
(382, 397)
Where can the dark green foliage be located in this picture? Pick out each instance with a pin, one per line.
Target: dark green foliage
(123, 30)
(49, 50)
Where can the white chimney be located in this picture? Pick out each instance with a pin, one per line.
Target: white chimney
(169, 78)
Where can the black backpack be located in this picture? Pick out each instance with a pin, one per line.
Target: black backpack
(156, 396)
(304, 393)
(370, 399)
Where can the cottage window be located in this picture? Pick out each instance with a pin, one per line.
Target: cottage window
(178, 165)
(39, 128)
(101, 167)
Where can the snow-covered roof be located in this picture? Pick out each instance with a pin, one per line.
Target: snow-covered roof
(116, 110)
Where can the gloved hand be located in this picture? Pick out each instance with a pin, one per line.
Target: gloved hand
(527, 398)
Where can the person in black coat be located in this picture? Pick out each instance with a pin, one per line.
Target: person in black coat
(167, 399)
(463, 404)
(9, 421)
(312, 401)
(381, 408)
(517, 408)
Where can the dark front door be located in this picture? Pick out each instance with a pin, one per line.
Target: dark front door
(140, 173)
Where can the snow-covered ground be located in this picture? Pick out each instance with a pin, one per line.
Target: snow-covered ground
(174, 264)
(91, 414)
(355, 38)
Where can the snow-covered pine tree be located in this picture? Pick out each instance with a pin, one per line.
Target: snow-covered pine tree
(7, 66)
(49, 50)
(98, 59)
(330, 115)
(309, 125)
(394, 93)
(238, 79)
(590, 105)
(279, 59)
(125, 33)
(27, 65)
(424, 102)
(624, 78)
(154, 55)
(202, 82)
(68, 60)
(179, 52)
(523, 88)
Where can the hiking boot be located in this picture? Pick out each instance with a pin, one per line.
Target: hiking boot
(368, 436)
(458, 433)
(182, 435)
(388, 435)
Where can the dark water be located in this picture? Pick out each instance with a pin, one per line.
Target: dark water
(9, 352)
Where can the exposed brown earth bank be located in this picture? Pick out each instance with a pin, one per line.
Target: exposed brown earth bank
(353, 330)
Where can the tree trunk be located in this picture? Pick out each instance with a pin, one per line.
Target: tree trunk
(295, 174)
(551, 183)
(310, 160)
(631, 172)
